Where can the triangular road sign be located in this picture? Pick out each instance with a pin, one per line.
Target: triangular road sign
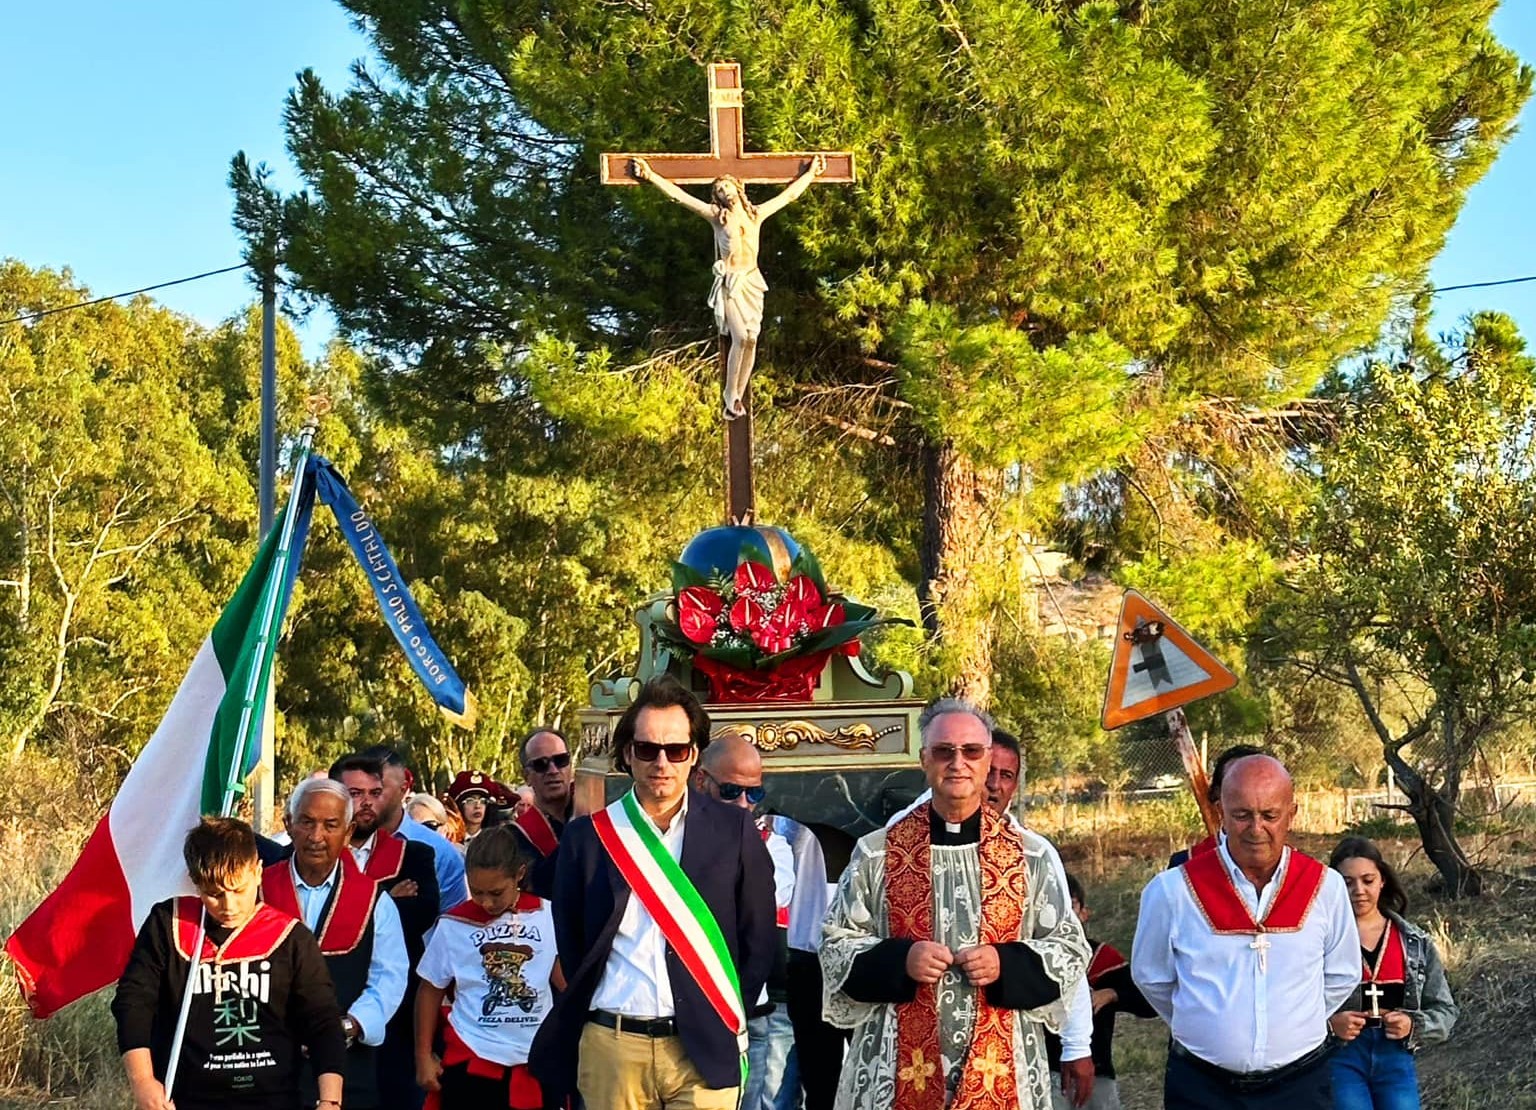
(1157, 666)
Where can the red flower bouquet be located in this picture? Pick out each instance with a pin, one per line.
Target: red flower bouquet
(759, 639)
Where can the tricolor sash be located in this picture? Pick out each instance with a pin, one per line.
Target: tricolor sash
(988, 1078)
(349, 911)
(257, 939)
(540, 833)
(674, 903)
(1227, 914)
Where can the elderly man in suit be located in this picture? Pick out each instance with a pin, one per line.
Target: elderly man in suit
(664, 918)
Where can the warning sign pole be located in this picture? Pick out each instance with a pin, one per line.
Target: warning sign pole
(1194, 767)
(1158, 669)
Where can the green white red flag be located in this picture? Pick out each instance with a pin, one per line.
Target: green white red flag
(78, 940)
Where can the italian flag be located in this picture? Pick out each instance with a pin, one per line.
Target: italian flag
(79, 939)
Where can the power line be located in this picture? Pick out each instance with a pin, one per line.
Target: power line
(1480, 284)
(28, 317)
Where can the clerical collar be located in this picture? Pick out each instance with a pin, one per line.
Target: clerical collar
(941, 831)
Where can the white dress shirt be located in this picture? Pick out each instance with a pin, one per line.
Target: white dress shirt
(364, 852)
(812, 893)
(452, 887)
(635, 981)
(387, 963)
(1241, 1007)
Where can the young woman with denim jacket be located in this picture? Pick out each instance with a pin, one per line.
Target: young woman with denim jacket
(1402, 980)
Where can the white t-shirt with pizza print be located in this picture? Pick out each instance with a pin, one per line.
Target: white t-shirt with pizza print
(499, 970)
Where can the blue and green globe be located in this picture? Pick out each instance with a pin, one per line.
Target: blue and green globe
(719, 551)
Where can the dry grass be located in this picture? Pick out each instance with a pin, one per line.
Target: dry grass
(72, 1057)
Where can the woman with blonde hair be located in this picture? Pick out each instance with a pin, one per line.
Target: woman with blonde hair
(426, 810)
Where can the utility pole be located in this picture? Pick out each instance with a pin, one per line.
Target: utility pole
(264, 784)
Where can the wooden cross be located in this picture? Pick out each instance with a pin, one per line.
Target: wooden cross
(728, 156)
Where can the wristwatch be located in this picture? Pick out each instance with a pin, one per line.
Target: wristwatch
(351, 1030)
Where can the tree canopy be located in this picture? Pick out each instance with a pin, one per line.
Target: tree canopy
(1416, 590)
(1080, 228)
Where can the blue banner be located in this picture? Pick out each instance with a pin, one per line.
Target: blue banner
(394, 597)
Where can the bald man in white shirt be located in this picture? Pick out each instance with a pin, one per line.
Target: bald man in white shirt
(1245, 952)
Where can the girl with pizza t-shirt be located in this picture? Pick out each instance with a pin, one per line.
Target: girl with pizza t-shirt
(496, 952)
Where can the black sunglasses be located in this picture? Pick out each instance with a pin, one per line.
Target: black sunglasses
(433, 825)
(730, 791)
(545, 762)
(647, 752)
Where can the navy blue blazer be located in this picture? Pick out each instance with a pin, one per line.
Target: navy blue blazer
(724, 855)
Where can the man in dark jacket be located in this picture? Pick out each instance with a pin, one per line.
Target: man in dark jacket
(664, 918)
(355, 923)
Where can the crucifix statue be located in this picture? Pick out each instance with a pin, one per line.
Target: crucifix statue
(737, 294)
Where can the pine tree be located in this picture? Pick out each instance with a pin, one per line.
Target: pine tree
(1077, 224)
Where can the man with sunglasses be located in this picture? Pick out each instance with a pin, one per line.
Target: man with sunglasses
(546, 760)
(731, 770)
(664, 921)
(950, 943)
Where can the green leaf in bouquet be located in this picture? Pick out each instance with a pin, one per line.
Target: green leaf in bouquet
(840, 634)
(807, 564)
(684, 576)
(856, 610)
(753, 552)
(742, 658)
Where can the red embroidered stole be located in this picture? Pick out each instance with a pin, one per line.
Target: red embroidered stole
(350, 910)
(1226, 913)
(1105, 959)
(988, 1078)
(257, 939)
(1393, 965)
(387, 857)
(540, 833)
(470, 913)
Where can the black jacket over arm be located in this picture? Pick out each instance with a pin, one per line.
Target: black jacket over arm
(724, 855)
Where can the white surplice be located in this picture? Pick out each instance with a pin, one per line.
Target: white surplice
(857, 920)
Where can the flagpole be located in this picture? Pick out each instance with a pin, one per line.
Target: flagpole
(270, 598)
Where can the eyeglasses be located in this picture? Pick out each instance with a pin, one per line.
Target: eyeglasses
(647, 752)
(433, 825)
(945, 753)
(730, 791)
(545, 762)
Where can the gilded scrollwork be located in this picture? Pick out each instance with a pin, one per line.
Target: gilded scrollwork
(776, 736)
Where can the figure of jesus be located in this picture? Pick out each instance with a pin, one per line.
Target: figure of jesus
(737, 296)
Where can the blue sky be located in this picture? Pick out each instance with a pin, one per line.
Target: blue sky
(123, 117)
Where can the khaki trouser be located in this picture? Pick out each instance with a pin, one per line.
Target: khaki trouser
(630, 1071)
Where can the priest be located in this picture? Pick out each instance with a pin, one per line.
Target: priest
(1245, 952)
(948, 946)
